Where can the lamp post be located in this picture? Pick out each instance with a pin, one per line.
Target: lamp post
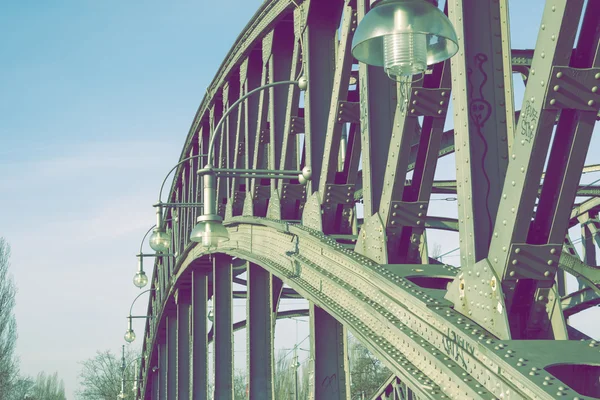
(404, 37)
(160, 240)
(130, 334)
(124, 366)
(209, 229)
(140, 279)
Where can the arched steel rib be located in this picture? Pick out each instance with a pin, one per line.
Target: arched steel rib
(412, 329)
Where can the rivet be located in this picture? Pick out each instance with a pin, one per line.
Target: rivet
(591, 103)
(514, 156)
(550, 262)
(547, 273)
(597, 76)
(552, 102)
(517, 250)
(514, 262)
(556, 88)
(552, 251)
(594, 89)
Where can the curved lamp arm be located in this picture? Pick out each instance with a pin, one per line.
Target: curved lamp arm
(302, 83)
(173, 169)
(134, 300)
(144, 238)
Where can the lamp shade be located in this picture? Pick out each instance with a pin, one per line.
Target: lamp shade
(160, 240)
(404, 36)
(209, 231)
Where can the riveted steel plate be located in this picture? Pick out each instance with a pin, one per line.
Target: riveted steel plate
(574, 88)
(311, 216)
(372, 239)
(528, 261)
(428, 102)
(274, 207)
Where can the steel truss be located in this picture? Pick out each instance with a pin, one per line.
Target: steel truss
(494, 326)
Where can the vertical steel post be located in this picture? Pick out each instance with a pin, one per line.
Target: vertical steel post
(183, 344)
(481, 130)
(377, 108)
(259, 331)
(320, 40)
(162, 368)
(155, 385)
(223, 326)
(199, 382)
(171, 356)
(329, 348)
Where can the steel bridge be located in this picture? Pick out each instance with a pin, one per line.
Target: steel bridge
(353, 240)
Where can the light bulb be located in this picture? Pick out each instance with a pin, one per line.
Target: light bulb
(405, 54)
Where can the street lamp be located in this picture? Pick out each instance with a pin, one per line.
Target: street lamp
(209, 229)
(141, 279)
(124, 366)
(404, 37)
(160, 240)
(130, 334)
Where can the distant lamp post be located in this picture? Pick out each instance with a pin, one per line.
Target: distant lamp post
(130, 334)
(209, 230)
(404, 37)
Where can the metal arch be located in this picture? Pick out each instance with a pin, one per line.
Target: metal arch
(388, 313)
(402, 317)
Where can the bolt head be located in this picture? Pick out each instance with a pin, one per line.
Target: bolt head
(303, 83)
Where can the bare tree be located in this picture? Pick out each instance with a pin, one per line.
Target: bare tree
(48, 387)
(100, 376)
(9, 368)
(436, 250)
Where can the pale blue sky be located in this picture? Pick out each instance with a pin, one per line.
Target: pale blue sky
(96, 99)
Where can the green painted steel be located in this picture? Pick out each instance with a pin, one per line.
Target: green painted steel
(354, 240)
